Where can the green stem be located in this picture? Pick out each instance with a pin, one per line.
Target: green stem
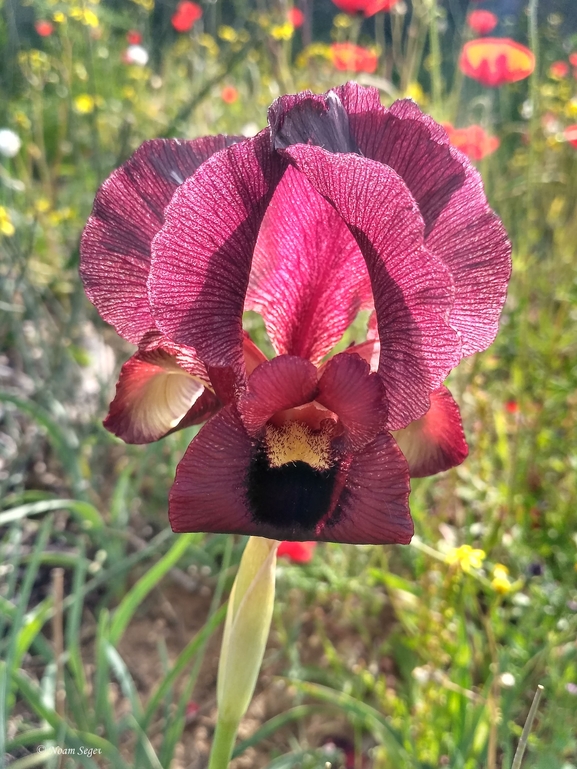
(223, 744)
(435, 58)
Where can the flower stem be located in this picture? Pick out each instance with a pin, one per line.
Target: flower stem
(223, 744)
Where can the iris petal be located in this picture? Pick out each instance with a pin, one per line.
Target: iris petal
(212, 222)
(128, 212)
(347, 388)
(155, 396)
(436, 441)
(412, 289)
(309, 278)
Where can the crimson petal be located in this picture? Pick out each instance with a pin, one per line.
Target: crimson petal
(212, 222)
(127, 214)
(472, 242)
(155, 396)
(281, 383)
(436, 441)
(308, 278)
(412, 289)
(407, 141)
(214, 491)
(373, 508)
(347, 388)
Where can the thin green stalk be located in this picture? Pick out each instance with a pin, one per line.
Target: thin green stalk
(435, 56)
(527, 729)
(223, 744)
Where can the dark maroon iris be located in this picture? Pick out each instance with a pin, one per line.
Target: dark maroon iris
(340, 205)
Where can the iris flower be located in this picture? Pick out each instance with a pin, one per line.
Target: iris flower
(339, 205)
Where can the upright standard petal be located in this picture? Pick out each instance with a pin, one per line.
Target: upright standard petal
(309, 278)
(436, 441)
(464, 232)
(128, 212)
(412, 289)
(394, 137)
(473, 244)
(212, 223)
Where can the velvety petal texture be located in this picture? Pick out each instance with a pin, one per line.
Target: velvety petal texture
(412, 289)
(436, 441)
(203, 254)
(309, 279)
(363, 500)
(128, 212)
(340, 205)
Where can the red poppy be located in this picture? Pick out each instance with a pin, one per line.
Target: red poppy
(472, 140)
(229, 94)
(573, 59)
(353, 58)
(482, 22)
(570, 134)
(296, 17)
(44, 28)
(559, 69)
(494, 61)
(297, 552)
(133, 37)
(512, 407)
(340, 204)
(187, 13)
(367, 7)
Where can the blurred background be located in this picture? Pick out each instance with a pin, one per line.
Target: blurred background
(408, 657)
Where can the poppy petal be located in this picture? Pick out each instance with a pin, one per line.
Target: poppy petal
(374, 504)
(127, 214)
(436, 441)
(347, 388)
(213, 222)
(297, 552)
(155, 396)
(412, 289)
(281, 383)
(309, 278)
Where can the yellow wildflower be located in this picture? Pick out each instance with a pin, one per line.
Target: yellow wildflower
(84, 104)
(466, 557)
(500, 582)
(227, 33)
(415, 92)
(342, 21)
(6, 226)
(59, 17)
(282, 31)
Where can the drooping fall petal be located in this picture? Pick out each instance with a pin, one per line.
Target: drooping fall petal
(128, 212)
(363, 499)
(412, 289)
(213, 222)
(155, 396)
(494, 61)
(309, 278)
(436, 441)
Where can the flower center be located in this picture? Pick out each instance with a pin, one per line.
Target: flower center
(297, 442)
